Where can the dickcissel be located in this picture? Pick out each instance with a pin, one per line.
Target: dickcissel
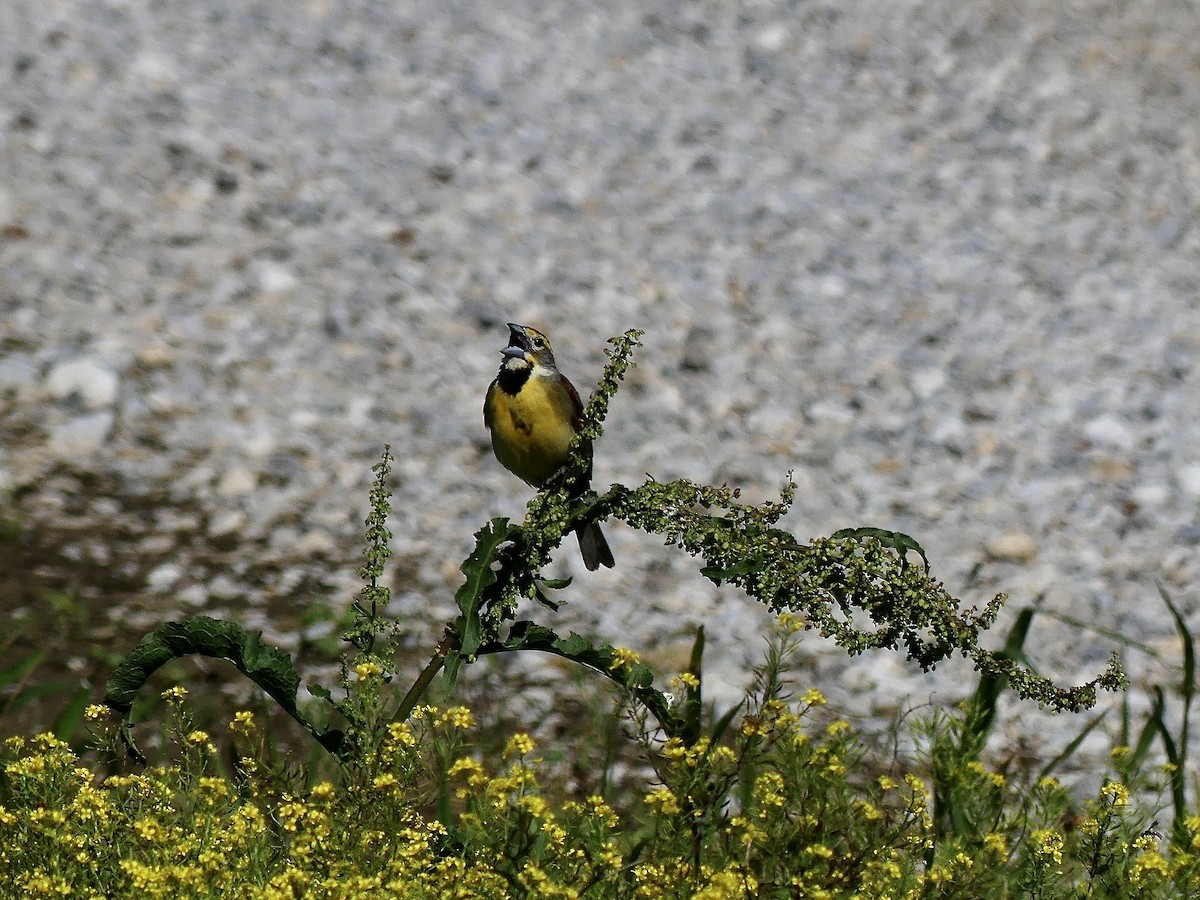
(533, 412)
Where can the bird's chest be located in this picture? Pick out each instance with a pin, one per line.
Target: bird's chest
(532, 429)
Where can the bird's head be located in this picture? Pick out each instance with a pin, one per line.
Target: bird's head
(528, 348)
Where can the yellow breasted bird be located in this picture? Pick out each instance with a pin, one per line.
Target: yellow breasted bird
(533, 412)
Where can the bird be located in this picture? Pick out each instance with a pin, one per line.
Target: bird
(533, 412)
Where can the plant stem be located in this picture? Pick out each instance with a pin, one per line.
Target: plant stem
(450, 641)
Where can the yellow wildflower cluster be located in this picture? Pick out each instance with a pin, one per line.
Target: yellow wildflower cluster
(1048, 846)
(769, 809)
(519, 744)
(624, 658)
(663, 801)
(1149, 864)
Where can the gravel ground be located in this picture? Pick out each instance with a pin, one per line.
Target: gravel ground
(939, 259)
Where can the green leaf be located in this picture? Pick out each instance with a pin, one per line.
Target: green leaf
(638, 679)
(693, 700)
(983, 707)
(319, 690)
(544, 600)
(13, 674)
(478, 569)
(717, 574)
(894, 540)
(1070, 749)
(66, 724)
(267, 666)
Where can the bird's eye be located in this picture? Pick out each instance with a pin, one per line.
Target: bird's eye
(539, 343)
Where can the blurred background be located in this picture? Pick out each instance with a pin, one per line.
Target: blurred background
(937, 259)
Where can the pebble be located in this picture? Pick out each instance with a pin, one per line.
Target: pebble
(227, 523)
(314, 542)
(237, 481)
(85, 378)
(17, 373)
(164, 577)
(80, 437)
(1014, 547)
(1109, 431)
(1189, 479)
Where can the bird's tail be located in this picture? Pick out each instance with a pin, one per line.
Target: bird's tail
(594, 547)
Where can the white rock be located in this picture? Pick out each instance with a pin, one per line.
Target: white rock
(771, 39)
(223, 587)
(156, 70)
(1151, 495)
(164, 577)
(237, 482)
(260, 445)
(1109, 431)
(950, 431)
(1189, 479)
(275, 279)
(1012, 547)
(304, 419)
(227, 523)
(928, 382)
(17, 373)
(80, 436)
(95, 384)
(193, 595)
(314, 542)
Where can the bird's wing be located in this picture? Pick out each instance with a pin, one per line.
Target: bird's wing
(487, 405)
(577, 420)
(576, 403)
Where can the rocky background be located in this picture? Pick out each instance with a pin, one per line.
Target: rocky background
(939, 259)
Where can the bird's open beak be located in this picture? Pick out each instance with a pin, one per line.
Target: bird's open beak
(518, 342)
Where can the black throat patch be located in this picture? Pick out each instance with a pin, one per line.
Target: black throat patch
(512, 380)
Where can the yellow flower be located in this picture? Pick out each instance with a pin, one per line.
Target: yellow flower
(1048, 845)
(95, 712)
(174, 696)
(722, 757)
(623, 658)
(519, 744)
(814, 698)
(212, 790)
(869, 811)
(401, 734)
(768, 789)
(368, 669)
(791, 623)
(199, 738)
(688, 680)
(243, 722)
(1150, 864)
(386, 781)
(459, 717)
(664, 800)
(916, 785)
(476, 775)
(1115, 793)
